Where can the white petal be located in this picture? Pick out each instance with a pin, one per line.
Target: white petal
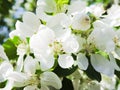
(32, 87)
(41, 14)
(113, 62)
(102, 30)
(71, 45)
(24, 30)
(96, 9)
(17, 76)
(81, 21)
(38, 45)
(117, 53)
(22, 49)
(44, 6)
(81, 42)
(5, 67)
(31, 20)
(46, 62)
(44, 88)
(59, 25)
(101, 64)
(76, 6)
(30, 65)
(48, 5)
(51, 79)
(14, 33)
(39, 42)
(59, 19)
(82, 61)
(108, 82)
(65, 61)
(46, 33)
(19, 63)
(3, 54)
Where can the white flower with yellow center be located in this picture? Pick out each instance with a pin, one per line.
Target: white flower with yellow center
(102, 36)
(29, 79)
(28, 27)
(45, 45)
(80, 21)
(98, 61)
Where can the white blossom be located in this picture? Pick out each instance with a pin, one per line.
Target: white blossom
(29, 79)
(28, 27)
(44, 43)
(102, 37)
(81, 21)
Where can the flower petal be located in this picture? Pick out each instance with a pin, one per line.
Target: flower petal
(71, 45)
(44, 88)
(39, 42)
(32, 87)
(65, 61)
(102, 30)
(59, 19)
(51, 79)
(31, 20)
(82, 61)
(101, 64)
(5, 67)
(81, 21)
(17, 76)
(20, 63)
(46, 62)
(24, 30)
(76, 6)
(113, 62)
(30, 65)
(3, 54)
(41, 14)
(22, 49)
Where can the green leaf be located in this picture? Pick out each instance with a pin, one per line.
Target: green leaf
(10, 49)
(64, 72)
(2, 84)
(118, 62)
(67, 84)
(38, 72)
(16, 40)
(117, 73)
(18, 88)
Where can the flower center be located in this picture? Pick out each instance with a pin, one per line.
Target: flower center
(85, 21)
(57, 47)
(34, 80)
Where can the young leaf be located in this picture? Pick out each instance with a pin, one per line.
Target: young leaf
(10, 49)
(67, 84)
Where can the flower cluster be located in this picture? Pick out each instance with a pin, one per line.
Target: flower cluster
(61, 38)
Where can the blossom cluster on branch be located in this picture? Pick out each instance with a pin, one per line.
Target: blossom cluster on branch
(63, 40)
